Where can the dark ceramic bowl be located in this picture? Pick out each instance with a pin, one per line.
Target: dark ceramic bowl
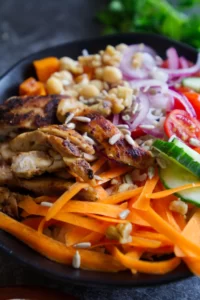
(9, 84)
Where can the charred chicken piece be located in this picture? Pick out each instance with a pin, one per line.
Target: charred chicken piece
(28, 112)
(6, 152)
(102, 130)
(68, 134)
(8, 202)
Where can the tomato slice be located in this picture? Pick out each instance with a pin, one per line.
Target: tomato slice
(180, 123)
(137, 132)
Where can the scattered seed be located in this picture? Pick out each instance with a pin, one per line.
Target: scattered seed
(124, 214)
(65, 82)
(76, 261)
(89, 157)
(135, 108)
(125, 187)
(87, 138)
(85, 52)
(147, 126)
(126, 117)
(129, 140)
(82, 119)
(146, 89)
(125, 131)
(128, 179)
(71, 125)
(194, 142)
(97, 177)
(122, 126)
(69, 118)
(46, 204)
(114, 138)
(83, 245)
(161, 162)
(104, 93)
(151, 172)
(114, 181)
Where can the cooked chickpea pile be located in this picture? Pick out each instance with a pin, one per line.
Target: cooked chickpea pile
(93, 80)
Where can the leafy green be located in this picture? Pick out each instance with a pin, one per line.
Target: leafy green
(158, 16)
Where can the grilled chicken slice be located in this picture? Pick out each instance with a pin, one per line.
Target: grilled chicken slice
(68, 134)
(29, 164)
(8, 202)
(6, 152)
(70, 105)
(28, 112)
(44, 185)
(6, 175)
(29, 141)
(102, 130)
(71, 156)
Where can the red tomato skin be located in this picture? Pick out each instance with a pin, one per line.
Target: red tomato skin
(138, 132)
(194, 99)
(180, 123)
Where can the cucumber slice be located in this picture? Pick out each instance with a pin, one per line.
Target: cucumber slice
(179, 153)
(192, 83)
(173, 176)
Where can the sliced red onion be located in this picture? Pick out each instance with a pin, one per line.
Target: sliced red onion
(157, 131)
(184, 101)
(148, 61)
(115, 119)
(143, 108)
(137, 84)
(173, 59)
(161, 101)
(183, 62)
(184, 72)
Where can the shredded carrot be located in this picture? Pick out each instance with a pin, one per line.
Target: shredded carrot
(135, 254)
(93, 237)
(98, 164)
(175, 237)
(45, 67)
(32, 222)
(41, 225)
(122, 196)
(57, 251)
(191, 232)
(153, 236)
(134, 218)
(106, 219)
(161, 267)
(34, 209)
(172, 191)
(117, 171)
(60, 202)
(74, 234)
(193, 264)
(143, 202)
(101, 193)
(144, 243)
(86, 207)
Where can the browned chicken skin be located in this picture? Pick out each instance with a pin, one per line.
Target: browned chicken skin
(102, 130)
(27, 112)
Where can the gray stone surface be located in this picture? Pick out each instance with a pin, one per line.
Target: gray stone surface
(27, 26)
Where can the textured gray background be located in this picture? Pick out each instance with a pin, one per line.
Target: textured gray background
(27, 26)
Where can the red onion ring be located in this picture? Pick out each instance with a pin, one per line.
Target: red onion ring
(115, 119)
(184, 72)
(137, 84)
(139, 116)
(173, 59)
(184, 101)
(126, 61)
(183, 62)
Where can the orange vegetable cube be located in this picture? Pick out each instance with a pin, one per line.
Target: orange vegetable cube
(32, 87)
(45, 67)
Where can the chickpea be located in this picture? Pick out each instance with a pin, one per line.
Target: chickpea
(67, 63)
(64, 76)
(84, 79)
(111, 74)
(121, 47)
(97, 83)
(54, 86)
(99, 73)
(89, 91)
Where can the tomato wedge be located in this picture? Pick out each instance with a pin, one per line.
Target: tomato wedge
(180, 123)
